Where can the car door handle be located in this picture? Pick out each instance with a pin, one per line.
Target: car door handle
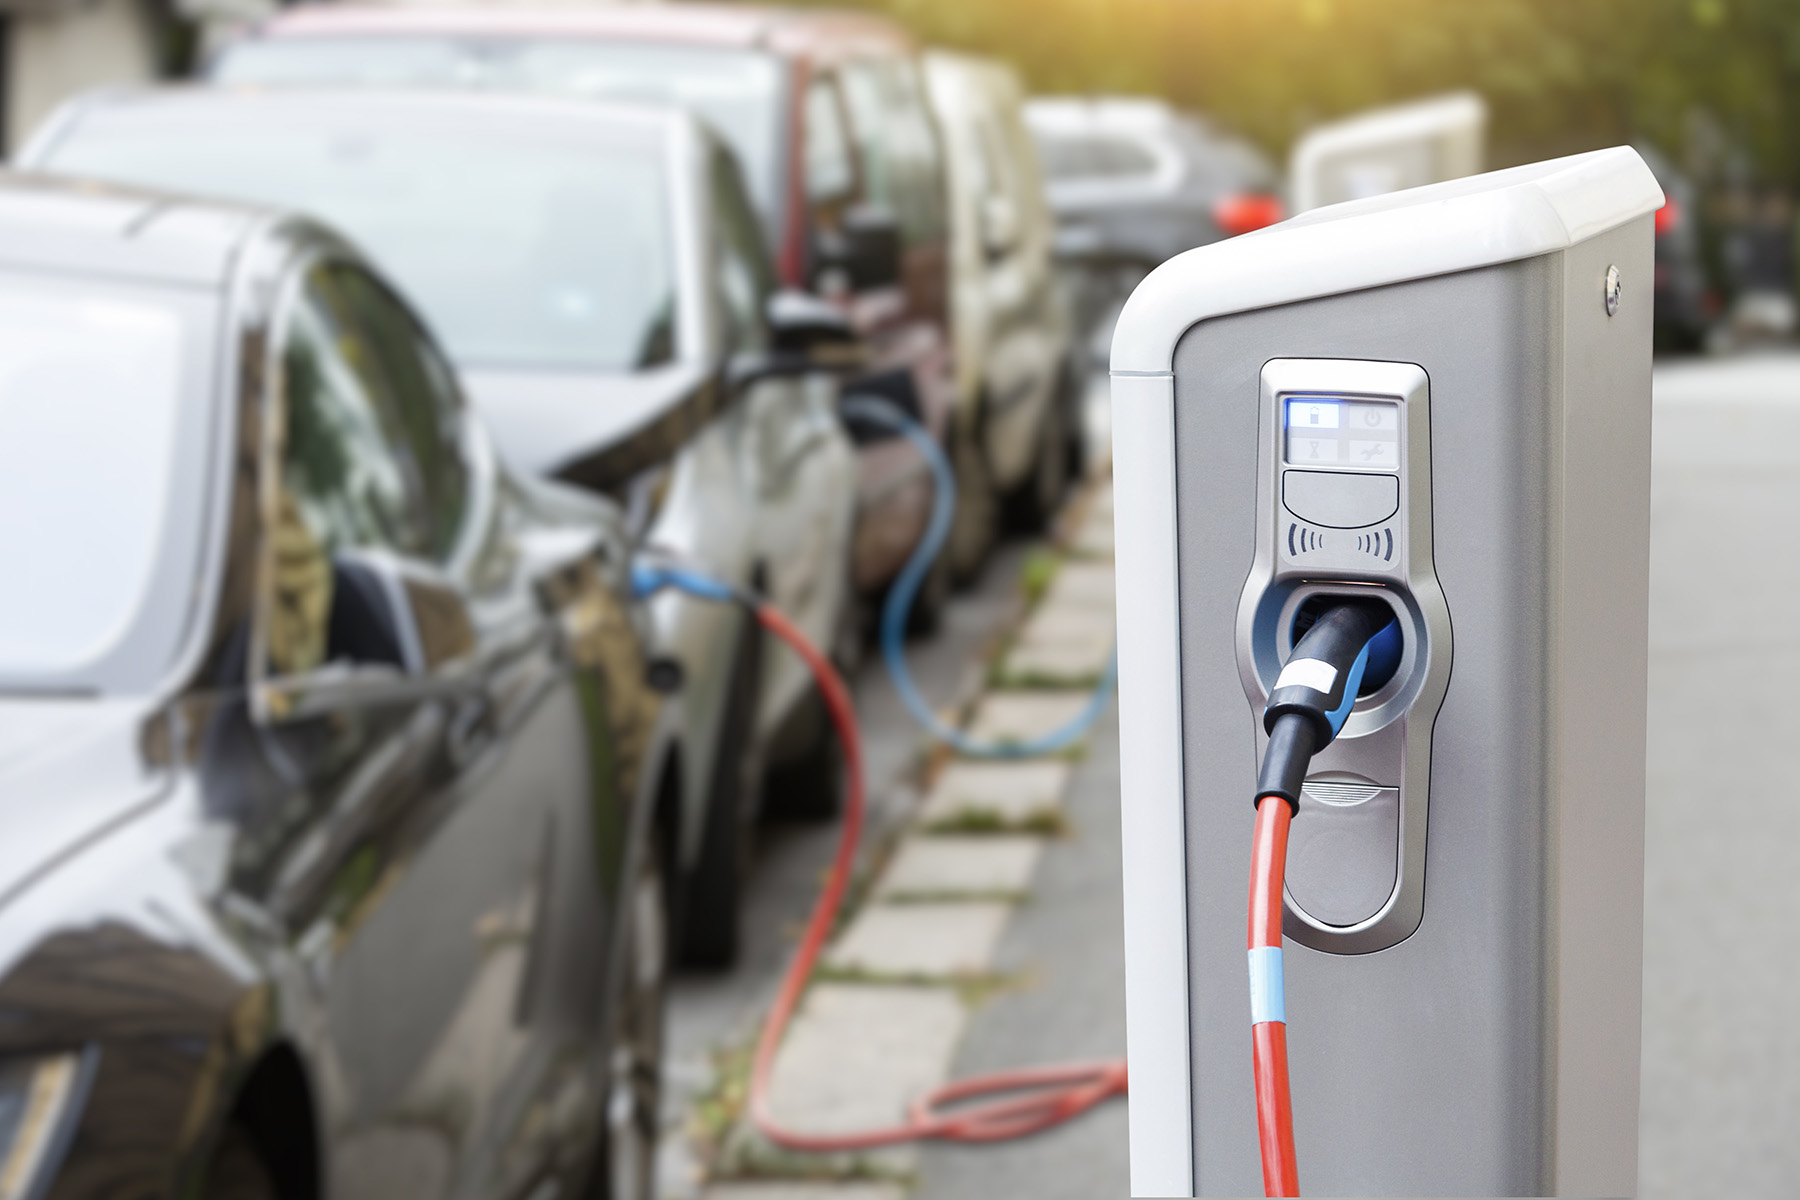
(472, 730)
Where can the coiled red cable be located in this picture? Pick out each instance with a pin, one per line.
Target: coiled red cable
(1274, 1104)
(1036, 1098)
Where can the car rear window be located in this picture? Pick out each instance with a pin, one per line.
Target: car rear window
(526, 245)
(1077, 156)
(738, 92)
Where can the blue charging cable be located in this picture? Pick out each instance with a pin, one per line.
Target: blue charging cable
(649, 576)
(905, 590)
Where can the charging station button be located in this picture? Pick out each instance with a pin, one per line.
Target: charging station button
(1339, 499)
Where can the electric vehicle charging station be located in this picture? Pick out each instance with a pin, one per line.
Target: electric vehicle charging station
(1437, 400)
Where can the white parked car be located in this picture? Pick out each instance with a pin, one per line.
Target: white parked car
(1009, 325)
(599, 279)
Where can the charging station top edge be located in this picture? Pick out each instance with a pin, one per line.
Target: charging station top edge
(1478, 221)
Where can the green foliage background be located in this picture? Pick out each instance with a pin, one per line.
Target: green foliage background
(1694, 76)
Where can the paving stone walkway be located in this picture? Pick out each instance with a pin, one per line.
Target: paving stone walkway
(898, 987)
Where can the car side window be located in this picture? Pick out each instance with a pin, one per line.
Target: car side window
(897, 143)
(371, 458)
(339, 486)
(417, 399)
(744, 277)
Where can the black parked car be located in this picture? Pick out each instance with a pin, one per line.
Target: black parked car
(330, 773)
(1686, 297)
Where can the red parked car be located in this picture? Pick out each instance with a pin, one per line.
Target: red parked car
(827, 113)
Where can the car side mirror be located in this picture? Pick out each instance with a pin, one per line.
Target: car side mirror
(805, 326)
(999, 226)
(391, 628)
(806, 335)
(865, 250)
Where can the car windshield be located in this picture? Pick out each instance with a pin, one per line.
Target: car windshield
(738, 92)
(526, 246)
(97, 482)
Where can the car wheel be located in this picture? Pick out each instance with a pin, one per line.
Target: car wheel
(711, 913)
(1071, 398)
(237, 1171)
(972, 529)
(633, 1096)
(849, 639)
(927, 610)
(1030, 508)
(811, 787)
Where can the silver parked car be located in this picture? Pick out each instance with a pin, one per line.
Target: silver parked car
(599, 278)
(1133, 182)
(1009, 322)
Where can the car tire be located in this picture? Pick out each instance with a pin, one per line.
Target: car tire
(631, 1120)
(927, 611)
(1072, 398)
(237, 1171)
(1032, 505)
(811, 787)
(711, 912)
(850, 637)
(975, 524)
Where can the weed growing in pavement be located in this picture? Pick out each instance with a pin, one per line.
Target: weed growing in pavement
(1040, 681)
(717, 1109)
(1043, 822)
(973, 988)
(752, 1157)
(1035, 577)
(957, 896)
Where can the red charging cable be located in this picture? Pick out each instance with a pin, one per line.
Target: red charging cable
(1268, 1010)
(1038, 1097)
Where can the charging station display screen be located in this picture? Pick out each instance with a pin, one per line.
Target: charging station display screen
(1329, 431)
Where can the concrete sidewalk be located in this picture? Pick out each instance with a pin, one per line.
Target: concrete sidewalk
(989, 939)
(1065, 948)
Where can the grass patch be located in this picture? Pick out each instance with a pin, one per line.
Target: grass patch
(1037, 573)
(957, 896)
(973, 988)
(716, 1110)
(1043, 822)
(752, 1157)
(1040, 681)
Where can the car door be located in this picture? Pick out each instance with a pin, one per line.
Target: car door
(418, 896)
(358, 734)
(804, 467)
(535, 847)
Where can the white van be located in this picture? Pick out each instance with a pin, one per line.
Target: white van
(1009, 324)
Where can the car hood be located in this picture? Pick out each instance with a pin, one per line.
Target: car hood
(69, 769)
(592, 427)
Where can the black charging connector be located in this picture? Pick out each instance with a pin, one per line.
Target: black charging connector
(1314, 693)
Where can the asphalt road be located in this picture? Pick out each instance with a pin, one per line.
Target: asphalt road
(1721, 1066)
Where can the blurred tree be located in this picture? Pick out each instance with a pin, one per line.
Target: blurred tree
(1560, 75)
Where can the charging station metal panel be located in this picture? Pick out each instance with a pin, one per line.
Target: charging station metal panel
(1455, 1062)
